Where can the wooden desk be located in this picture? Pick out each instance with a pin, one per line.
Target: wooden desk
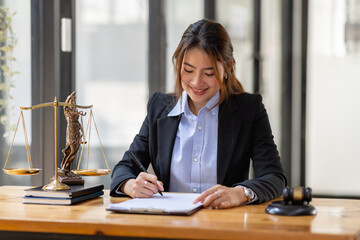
(336, 219)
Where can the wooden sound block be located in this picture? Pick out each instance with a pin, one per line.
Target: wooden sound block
(284, 209)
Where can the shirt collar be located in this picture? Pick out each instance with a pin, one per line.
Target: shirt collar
(182, 105)
(211, 103)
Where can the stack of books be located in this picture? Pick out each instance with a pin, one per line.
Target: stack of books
(76, 194)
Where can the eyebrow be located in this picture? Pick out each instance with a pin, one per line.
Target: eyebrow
(208, 68)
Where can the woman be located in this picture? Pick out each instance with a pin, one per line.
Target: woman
(202, 138)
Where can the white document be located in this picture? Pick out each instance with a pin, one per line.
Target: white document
(170, 203)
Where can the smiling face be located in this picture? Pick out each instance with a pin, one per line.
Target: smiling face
(198, 78)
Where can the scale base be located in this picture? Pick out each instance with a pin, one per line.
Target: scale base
(56, 185)
(281, 208)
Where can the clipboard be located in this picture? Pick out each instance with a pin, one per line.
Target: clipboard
(169, 204)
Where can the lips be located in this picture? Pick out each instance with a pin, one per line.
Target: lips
(198, 91)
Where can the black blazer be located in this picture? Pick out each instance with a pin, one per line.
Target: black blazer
(244, 133)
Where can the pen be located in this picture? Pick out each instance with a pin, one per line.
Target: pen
(138, 163)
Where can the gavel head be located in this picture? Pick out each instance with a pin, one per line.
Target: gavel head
(297, 195)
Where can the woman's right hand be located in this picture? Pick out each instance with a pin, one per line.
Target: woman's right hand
(143, 186)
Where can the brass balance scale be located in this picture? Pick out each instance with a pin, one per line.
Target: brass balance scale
(55, 184)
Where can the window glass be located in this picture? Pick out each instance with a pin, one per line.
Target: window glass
(333, 115)
(176, 24)
(20, 91)
(271, 64)
(237, 17)
(111, 74)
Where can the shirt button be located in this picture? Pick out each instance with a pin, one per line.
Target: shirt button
(200, 127)
(194, 190)
(195, 159)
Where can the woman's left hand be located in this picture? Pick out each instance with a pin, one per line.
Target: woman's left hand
(220, 196)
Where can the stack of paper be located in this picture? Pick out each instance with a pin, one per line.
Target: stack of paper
(170, 203)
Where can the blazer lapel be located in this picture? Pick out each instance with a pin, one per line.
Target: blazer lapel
(167, 129)
(228, 131)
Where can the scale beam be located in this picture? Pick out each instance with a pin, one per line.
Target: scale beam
(51, 104)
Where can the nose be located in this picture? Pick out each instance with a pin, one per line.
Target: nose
(197, 80)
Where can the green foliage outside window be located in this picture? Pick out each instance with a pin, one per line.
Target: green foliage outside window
(8, 41)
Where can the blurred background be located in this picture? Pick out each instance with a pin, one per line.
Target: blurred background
(303, 56)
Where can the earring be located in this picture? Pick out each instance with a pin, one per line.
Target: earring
(226, 77)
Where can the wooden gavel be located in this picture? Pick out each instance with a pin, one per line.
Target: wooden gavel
(297, 195)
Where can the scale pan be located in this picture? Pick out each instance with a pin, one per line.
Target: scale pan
(22, 171)
(91, 172)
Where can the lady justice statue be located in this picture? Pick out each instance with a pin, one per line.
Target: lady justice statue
(74, 133)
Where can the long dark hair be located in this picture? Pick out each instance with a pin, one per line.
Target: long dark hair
(211, 37)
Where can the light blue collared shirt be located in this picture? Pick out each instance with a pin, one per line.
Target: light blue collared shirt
(194, 159)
